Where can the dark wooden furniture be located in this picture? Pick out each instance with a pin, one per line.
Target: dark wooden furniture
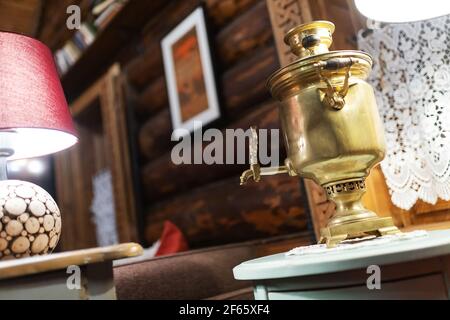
(108, 42)
(74, 275)
(100, 118)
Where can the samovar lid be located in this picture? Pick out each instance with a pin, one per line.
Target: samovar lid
(310, 43)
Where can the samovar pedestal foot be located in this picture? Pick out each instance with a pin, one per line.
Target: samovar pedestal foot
(379, 226)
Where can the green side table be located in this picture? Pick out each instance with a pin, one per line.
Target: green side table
(416, 268)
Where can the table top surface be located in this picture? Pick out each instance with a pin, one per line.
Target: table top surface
(56, 261)
(437, 243)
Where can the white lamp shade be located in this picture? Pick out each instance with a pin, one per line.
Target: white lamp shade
(397, 11)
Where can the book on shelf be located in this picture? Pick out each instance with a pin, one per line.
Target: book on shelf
(72, 52)
(88, 33)
(101, 5)
(79, 41)
(74, 48)
(61, 63)
(104, 12)
(108, 15)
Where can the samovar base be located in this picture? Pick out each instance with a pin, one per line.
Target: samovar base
(379, 226)
(352, 219)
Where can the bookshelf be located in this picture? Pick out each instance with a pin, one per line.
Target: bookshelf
(97, 57)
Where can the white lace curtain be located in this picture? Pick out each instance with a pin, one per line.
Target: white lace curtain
(411, 78)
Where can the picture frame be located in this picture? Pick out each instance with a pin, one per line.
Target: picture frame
(189, 75)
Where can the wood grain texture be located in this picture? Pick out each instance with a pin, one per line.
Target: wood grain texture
(235, 41)
(245, 33)
(53, 31)
(242, 85)
(99, 115)
(232, 213)
(20, 16)
(222, 11)
(20, 268)
(154, 135)
(148, 65)
(161, 177)
(114, 117)
(245, 84)
(284, 15)
(153, 98)
(109, 42)
(71, 190)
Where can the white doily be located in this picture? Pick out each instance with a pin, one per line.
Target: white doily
(411, 78)
(353, 244)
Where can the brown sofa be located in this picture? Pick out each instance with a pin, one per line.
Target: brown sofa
(197, 274)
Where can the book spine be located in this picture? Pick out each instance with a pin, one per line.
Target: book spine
(105, 18)
(88, 32)
(79, 41)
(61, 62)
(72, 52)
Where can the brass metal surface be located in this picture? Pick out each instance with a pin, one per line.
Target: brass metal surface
(331, 128)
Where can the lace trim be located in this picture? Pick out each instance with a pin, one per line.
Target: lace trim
(411, 78)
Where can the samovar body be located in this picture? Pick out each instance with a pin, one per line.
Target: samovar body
(329, 145)
(331, 127)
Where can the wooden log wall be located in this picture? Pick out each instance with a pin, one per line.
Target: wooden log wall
(206, 201)
(50, 30)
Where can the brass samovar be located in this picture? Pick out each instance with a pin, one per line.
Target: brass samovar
(331, 127)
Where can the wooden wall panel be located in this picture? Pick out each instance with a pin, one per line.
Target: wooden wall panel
(243, 88)
(222, 211)
(247, 46)
(202, 199)
(53, 31)
(243, 84)
(235, 42)
(161, 177)
(222, 11)
(148, 65)
(205, 201)
(246, 32)
(20, 16)
(153, 98)
(154, 135)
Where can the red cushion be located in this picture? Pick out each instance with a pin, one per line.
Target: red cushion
(172, 240)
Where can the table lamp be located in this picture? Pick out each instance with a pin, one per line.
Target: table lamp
(34, 121)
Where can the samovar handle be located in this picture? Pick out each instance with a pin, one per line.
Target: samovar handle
(335, 97)
(255, 170)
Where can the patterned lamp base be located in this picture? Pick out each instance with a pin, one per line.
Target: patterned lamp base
(30, 220)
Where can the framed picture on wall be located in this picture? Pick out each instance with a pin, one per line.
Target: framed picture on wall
(189, 74)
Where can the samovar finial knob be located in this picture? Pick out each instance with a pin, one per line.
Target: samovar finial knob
(310, 38)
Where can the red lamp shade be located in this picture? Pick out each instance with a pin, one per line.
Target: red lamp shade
(34, 116)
